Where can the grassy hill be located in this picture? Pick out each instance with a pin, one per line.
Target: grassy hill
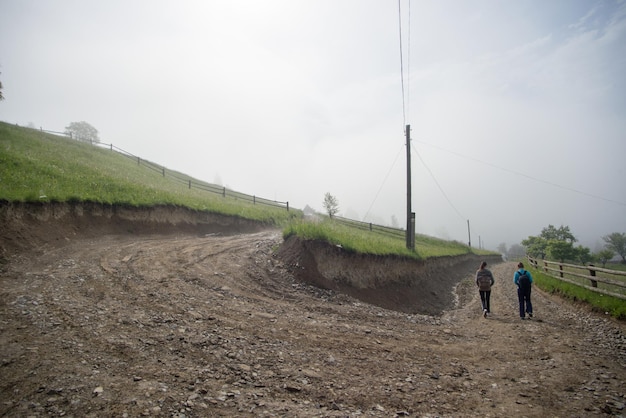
(40, 167)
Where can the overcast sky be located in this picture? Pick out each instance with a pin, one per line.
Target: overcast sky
(517, 108)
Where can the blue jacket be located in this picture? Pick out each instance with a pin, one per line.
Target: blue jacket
(517, 274)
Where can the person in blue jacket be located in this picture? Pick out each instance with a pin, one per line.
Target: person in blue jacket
(523, 280)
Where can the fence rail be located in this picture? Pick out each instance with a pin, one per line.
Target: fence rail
(586, 276)
(187, 181)
(368, 226)
(224, 192)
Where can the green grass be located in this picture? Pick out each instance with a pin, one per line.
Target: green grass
(372, 242)
(39, 167)
(598, 302)
(614, 266)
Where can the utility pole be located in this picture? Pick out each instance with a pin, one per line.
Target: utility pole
(469, 236)
(410, 216)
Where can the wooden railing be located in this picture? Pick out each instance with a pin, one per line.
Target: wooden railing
(368, 226)
(185, 180)
(192, 183)
(612, 282)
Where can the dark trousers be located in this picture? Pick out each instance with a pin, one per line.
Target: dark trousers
(485, 295)
(525, 306)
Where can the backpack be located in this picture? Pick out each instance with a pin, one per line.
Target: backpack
(484, 282)
(523, 280)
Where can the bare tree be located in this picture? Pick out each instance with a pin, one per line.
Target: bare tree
(82, 131)
(331, 204)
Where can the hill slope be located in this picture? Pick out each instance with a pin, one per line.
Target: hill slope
(39, 167)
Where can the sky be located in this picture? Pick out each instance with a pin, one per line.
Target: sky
(517, 109)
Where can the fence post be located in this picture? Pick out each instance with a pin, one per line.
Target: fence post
(370, 227)
(224, 192)
(111, 147)
(545, 266)
(561, 270)
(592, 272)
(138, 161)
(163, 171)
(287, 206)
(190, 184)
(253, 199)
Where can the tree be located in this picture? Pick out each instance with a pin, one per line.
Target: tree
(515, 251)
(1, 96)
(502, 248)
(561, 250)
(617, 242)
(331, 204)
(82, 131)
(535, 246)
(583, 255)
(560, 234)
(605, 255)
(558, 242)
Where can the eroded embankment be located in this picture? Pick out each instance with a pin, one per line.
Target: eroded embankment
(390, 282)
(28, 225)
(397, 283)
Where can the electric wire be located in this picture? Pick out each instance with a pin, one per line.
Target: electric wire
(525, 175)
(404, 104)
(437, 183)
(408, 67)
(383, 183)
(401, 65)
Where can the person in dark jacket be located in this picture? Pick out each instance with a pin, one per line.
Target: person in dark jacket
(523, 280)
(484, 281)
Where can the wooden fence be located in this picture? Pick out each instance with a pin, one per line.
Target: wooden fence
(212, 188)
(186, 180)
(597, 279)
(366, 226)
(192, 183)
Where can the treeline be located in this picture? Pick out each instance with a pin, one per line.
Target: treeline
(559, 244)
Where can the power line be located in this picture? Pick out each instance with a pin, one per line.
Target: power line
(383, 183)
(526, 175)
(408, 68)
(437, 183)
(401, 64)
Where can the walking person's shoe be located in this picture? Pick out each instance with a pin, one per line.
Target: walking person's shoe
(530, 315)
(484, 313)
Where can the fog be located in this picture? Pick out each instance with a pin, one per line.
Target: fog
(517, 109)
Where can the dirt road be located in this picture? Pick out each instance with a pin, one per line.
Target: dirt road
(188, 326)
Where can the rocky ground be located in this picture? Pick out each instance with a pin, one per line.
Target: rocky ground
(181, 325)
